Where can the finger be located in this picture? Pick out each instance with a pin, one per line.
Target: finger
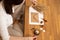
(34, 2)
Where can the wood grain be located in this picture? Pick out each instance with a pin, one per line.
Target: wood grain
(51, 14)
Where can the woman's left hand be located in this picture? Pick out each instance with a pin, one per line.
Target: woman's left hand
(34, 2)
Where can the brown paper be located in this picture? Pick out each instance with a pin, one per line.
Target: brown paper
(38, 7)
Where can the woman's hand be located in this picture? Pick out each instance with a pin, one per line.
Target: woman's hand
(22, 38)
(34, 2)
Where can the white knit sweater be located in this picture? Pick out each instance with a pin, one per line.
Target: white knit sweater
(5, 21)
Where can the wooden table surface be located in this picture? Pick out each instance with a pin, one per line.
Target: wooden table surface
(52, 15)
